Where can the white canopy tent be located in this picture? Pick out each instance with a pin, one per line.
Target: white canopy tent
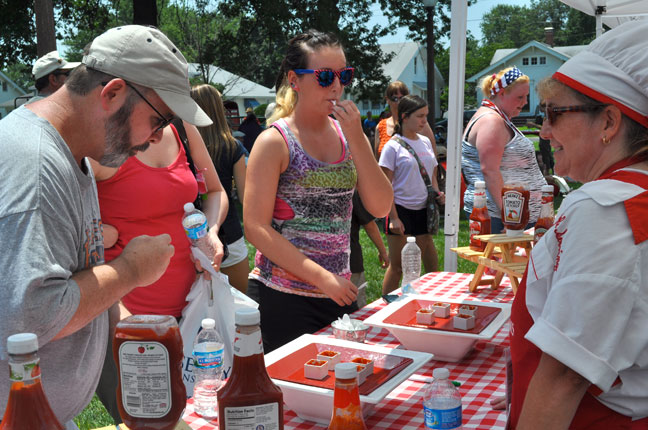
(610, 12)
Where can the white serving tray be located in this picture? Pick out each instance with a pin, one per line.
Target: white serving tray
(445, 345)
(315, 403)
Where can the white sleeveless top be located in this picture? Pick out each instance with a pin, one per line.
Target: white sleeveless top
(519, 164)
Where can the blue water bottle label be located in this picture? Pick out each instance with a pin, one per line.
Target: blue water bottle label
(199, 231)
(442, 418)
(208, 360)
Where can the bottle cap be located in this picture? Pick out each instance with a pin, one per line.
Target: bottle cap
(411, 239)
(346, 370)
(208, 323)
(480, 184)
(547, 188)
(22, 343)
(441, 373)
(188, 207)
(247, 316)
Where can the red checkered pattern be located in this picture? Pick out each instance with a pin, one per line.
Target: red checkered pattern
(482, 372)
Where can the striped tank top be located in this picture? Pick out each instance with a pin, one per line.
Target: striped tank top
(313, 212)
(519, 164)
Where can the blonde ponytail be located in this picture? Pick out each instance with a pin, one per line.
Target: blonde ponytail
(286, 101)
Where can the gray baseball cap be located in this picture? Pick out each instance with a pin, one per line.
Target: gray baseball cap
(49, 63)
(145, 56)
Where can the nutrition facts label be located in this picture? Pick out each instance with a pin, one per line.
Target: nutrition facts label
(145, 379)
(254, 417)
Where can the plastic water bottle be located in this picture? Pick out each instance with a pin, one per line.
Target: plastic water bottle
(411, 264)
(196, 228)
(442, 402)
(208, 367)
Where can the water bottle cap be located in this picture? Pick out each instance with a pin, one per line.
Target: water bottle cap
(480, 184)
(247, 316)
(188, 207)
(441, 373)
(208, 323)
(22, 343)
(346, 370)
(547, 188)
(411, 239)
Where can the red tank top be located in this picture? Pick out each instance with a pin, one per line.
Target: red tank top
(140, 199)
(591, 414)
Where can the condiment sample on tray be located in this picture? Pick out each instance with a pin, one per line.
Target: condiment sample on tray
(148, 353)
(27, 407)
(249, 396)
(316, 369)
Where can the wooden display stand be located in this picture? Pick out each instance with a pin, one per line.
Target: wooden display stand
(499, 256)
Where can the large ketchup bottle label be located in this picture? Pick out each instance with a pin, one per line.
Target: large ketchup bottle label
(246, 345)
(145, 379)
(513, 205)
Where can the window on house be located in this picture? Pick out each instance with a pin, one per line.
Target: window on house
(365, 104)
(525, 61)
(415, 58)
(4, 86)
(534, 61)
(376, 105)
(543, 60)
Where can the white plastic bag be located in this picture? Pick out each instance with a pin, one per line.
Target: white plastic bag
(214, 299)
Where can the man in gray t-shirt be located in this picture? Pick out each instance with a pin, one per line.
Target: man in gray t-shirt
(53, 279)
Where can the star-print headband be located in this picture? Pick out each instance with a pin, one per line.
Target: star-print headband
(507, 79)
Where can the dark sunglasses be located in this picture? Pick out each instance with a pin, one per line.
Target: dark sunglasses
(325, 77)
(395, 99)
(163, 121)
(552, 112)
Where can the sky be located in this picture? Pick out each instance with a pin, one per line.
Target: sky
(475, 13)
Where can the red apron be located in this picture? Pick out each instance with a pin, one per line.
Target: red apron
(591, 414)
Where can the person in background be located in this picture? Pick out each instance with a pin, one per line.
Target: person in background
(361, 218)
(228, 156)
(495, 151)
(251, 128)
(54, 281)
(299, 186)
(369, 126)
(50, 72)
(408, 214)
(385, 128)
(578, 333)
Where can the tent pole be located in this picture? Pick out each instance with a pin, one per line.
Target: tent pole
(458, 23)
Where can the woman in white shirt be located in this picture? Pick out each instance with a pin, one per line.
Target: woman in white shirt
(408, 216)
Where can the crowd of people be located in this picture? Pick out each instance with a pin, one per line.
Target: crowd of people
(100, 163)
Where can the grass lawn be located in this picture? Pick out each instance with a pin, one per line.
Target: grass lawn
(95, 415)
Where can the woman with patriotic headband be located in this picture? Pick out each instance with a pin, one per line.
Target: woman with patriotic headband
(495, 151)
(579, 347)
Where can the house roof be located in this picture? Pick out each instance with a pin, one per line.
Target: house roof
(501, 57)
(403, 53)
(6, 78)
(235, 86)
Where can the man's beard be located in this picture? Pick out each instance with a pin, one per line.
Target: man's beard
(118, 138)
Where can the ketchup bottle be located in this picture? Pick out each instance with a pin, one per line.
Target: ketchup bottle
(148, 354)
(515, 207)
(479, 222)
(546, 218)
(249, 395)
(347, 411)
(27, 407)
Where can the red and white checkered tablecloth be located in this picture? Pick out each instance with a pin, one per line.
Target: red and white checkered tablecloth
(482, 372)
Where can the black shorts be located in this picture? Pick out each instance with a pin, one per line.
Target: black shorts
(286, 316)
(415, 221)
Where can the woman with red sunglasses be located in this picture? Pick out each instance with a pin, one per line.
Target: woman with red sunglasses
(300, 182)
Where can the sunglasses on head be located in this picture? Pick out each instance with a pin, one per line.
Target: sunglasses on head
(552, 112)
(325, 77)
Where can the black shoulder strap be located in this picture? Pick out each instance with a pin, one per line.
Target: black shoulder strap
(177, 123)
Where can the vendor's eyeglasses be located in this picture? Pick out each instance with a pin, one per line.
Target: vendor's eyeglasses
(552, 112)
(395, 99)
(325, 77)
